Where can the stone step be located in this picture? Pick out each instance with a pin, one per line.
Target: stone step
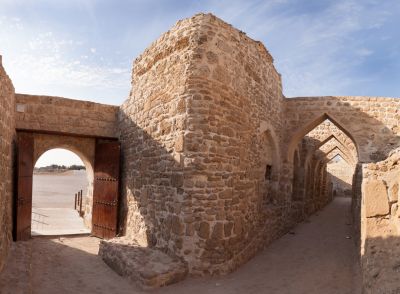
(149, 268)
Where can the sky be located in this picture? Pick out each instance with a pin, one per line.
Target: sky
(84, 49)
(58, 156)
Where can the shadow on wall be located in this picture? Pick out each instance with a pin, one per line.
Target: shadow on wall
(373, 137)
(158, 211)
(343, 189)
(153, 198)
(381, 265)
(311, 184)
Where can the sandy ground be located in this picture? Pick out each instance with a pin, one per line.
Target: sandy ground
(57, 222)
(318, 258)
(57, 190)
(53, 200)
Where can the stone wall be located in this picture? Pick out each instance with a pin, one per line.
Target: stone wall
(152, 124)
(342, 177)
(311, 186)
(232, 149)
(371, 122)
(198, 133)
(7, 137)
(68, 116)
(380, 225)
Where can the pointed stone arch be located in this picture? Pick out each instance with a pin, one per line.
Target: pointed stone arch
(301, 132)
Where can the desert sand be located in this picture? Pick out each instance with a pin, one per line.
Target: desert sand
(53, 199)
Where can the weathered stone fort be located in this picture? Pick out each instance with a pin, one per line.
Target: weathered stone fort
(215, 162)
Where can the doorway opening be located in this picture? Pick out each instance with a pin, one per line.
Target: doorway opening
(341, 176)
(59, 194)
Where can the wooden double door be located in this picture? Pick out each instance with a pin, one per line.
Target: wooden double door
(105, 190)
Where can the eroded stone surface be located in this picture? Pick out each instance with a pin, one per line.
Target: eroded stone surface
(68, 116)
(147, 267)
(376, 199)
(380, 236)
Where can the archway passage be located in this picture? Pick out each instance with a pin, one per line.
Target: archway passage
(341, 176)
(101, 159)
(59, 194)
(324, 162)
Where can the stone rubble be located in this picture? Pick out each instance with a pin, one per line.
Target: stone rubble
(148, 268)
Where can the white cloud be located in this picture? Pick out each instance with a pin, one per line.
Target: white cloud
(43, 63)
(363, 52)
(315, 51)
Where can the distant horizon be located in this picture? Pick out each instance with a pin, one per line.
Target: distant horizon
(60, 166)
(58, 156)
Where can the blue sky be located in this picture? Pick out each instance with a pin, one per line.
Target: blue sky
(84, 49)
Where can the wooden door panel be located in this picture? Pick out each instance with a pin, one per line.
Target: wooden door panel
(105, 192)
(24, 187)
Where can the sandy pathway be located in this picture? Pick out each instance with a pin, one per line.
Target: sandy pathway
(318, 258)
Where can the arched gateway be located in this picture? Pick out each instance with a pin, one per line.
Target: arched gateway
(97, 146)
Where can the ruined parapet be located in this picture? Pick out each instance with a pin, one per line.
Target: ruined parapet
(201, 134)
(380, 225)
(7, 136)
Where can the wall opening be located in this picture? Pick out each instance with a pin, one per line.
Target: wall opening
(269, 164)
(268, 172)
(58, 176)
(341, 175)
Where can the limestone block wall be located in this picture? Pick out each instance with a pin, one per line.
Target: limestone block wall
(327, 133)
(380, 225)
(310, 186)
(201, 134)
(152, 125)
(7, 137)
(372, 122)
(62, 115)
(342, 177)
(232, 144)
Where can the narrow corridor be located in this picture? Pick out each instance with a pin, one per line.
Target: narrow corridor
(320, 257)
